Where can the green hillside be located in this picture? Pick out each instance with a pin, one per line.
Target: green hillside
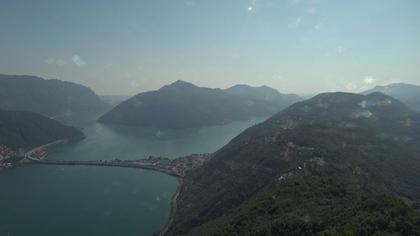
(53, 98)
(294, 173)
(184, 105)
(27, 129)
(407, 93)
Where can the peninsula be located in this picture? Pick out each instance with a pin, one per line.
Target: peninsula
(25, 134)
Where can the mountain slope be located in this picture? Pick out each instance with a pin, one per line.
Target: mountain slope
(27, 129)
(316, 206)
(407, 93)
(52, 98)
(183, 105)
(113, 100)
(268, 98)
(343, 146)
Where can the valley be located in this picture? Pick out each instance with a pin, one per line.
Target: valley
(336, 143)
(329, 149)
(210, 118)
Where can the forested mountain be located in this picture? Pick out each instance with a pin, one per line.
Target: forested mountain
(263, 94)
(19, 129)
(53, 98)
(407, 93)
(336, 164)
(183, 105)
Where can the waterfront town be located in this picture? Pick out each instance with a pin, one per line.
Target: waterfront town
(176, 167)
(11, 157)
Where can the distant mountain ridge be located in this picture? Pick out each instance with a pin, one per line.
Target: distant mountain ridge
(20, 129)
(262, 93)
(52, 98)
(407, 93)
(336, 164)
(183, 105)
(113, 100)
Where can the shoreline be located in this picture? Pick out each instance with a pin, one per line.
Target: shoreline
(177, 167)
(42, 148)
(22, 156)
(174, 198)
(174, 207)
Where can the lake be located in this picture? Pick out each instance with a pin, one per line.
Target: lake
(88, 200)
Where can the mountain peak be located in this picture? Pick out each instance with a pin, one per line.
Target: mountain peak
(406, 93)
(345, 108)
(49, 97)
(369, 143)
(249, 87)
(182, 83)
(394, 88)
(341, 98)
(178, 85)
(182, 104)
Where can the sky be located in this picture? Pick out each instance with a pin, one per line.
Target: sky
(123, 47)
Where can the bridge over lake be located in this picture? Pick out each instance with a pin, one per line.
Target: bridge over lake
(166, 168)
(176, 167)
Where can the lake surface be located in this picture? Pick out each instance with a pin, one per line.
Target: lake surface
(87, 200)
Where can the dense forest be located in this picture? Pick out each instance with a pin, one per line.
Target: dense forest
(20, 129)
(292, 174)
(184, 105)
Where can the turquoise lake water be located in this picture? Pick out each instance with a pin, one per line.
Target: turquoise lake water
(92, 201)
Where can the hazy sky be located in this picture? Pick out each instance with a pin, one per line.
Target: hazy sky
(129, 46)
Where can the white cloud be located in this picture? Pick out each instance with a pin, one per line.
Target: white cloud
(350, 86)
(78, 61)
(369, 80)
(295, 23)
(252, 5)
(55, 62)
(359, 85)
(341, 49)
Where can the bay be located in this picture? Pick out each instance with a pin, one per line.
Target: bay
(88, 200)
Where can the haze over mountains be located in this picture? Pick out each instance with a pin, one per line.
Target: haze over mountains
(113, 100)
(51, 98)
(19, 129)
(183, 105)
(407, 93)
(336, 164)
(31, 109)
(210, 118)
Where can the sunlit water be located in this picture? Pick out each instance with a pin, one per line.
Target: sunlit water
(83, 200)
